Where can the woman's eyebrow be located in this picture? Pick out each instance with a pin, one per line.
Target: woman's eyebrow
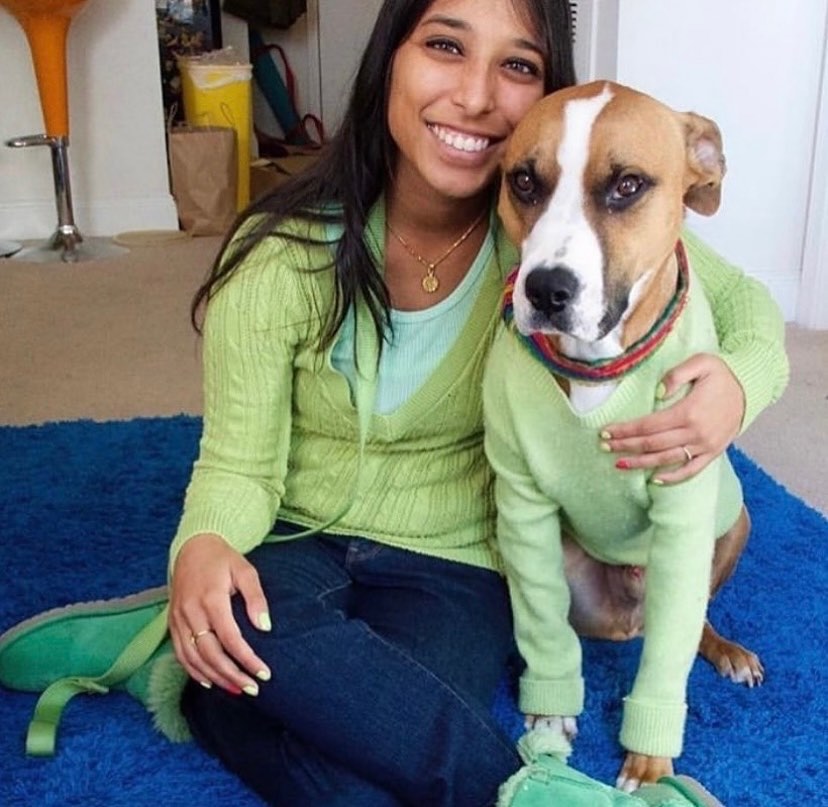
(461, 25)
(450, 22)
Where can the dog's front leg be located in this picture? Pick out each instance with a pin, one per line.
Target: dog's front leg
(639, 769)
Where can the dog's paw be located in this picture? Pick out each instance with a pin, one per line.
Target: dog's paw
(740, 665)
(554, 724)
(639, 769)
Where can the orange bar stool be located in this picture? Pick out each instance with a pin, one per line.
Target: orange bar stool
(46, 25)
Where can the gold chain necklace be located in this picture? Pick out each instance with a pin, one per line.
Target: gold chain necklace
(430, 283)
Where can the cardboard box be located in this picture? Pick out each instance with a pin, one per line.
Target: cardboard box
(268, 173)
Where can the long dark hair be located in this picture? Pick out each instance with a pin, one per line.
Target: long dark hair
(355, 166)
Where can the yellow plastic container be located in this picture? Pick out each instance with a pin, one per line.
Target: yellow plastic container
(220, 95)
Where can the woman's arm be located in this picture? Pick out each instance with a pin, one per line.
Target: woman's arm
(749, 325)
(238, 478)
(252, 329)
(728, 390)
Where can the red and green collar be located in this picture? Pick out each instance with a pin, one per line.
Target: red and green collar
(601, 370)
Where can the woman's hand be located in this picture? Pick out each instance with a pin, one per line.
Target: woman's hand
(207, 639)
(691, 432)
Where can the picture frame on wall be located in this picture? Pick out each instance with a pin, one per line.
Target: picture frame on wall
(185, 28)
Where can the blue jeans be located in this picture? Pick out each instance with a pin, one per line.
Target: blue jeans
(385, 663)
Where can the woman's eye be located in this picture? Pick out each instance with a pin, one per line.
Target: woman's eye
(447, 45)
(524, 67)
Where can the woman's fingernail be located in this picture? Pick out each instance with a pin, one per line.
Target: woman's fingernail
(604, 447)
(658, 482)
(264, 621)
(623, 465)
(605, 435)
(206, 684)
(252, 690)
(661, 391)
(263, 675)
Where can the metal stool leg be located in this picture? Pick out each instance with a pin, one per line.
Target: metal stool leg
(67, 236)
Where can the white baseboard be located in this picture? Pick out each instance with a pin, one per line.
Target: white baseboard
(24, 220)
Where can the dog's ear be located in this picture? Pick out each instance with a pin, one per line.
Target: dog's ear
(705, 164)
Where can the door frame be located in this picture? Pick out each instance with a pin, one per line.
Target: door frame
(812, 301)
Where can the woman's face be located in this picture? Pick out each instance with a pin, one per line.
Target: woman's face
(459, 84)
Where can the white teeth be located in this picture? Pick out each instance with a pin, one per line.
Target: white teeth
(459, 141)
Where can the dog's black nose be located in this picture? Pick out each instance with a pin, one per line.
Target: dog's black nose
(550, 291)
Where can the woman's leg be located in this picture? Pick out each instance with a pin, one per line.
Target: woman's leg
(268, 759)
(384, 662)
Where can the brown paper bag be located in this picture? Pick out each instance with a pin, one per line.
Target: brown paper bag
(203, 177)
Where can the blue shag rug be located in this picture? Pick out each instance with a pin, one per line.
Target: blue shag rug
(88, 510)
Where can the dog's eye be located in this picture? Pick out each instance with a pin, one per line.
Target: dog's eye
(624, 190)
(523, 182)
(524, 186)
(628, 186)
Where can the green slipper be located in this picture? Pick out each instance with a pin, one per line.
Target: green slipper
(547, 781)
(91, 648)
(681, 791)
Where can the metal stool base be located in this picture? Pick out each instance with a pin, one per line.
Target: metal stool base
(90, 249)
(66, 244)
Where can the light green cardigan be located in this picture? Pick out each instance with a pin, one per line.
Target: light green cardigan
(280, 433)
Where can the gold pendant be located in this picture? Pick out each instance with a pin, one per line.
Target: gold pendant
(430, 284)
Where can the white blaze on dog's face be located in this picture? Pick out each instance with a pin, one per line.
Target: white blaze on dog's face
(595, 182)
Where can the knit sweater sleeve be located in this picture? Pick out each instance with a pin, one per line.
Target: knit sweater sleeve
(683, 519)
(253, 326)
(749, 326)
(529, 542)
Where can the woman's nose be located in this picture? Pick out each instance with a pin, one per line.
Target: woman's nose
(475, 91)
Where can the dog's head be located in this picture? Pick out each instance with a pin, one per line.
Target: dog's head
(595, 181)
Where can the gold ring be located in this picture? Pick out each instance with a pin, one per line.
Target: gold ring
(687, 453)
(194, 637)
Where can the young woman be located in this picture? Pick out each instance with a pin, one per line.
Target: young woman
(346, 326)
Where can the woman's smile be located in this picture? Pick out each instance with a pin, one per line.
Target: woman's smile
(461, 141)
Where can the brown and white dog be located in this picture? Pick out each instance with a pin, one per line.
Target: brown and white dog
(595, 183)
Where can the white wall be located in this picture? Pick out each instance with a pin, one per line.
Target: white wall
(755, 68)
(117, 151)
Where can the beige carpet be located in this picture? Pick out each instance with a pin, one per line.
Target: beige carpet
(105, 340)
(111, 340)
